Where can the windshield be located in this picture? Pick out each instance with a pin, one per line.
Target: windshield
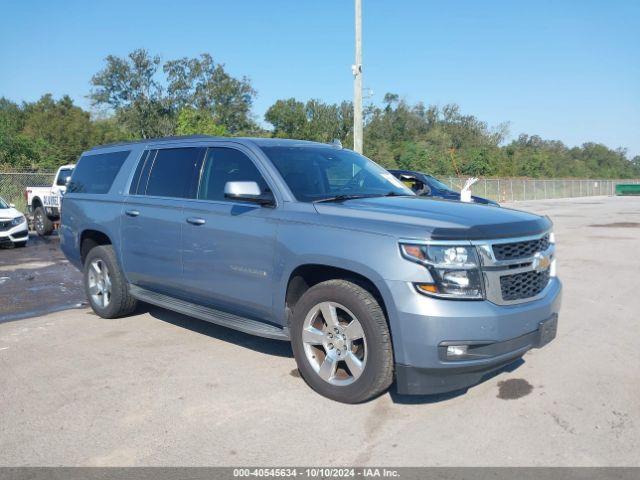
(317, 173)
(3, 204)
(437, 183)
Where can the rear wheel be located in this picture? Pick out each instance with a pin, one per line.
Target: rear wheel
(42, 223)
(341, 342)
(105, 285)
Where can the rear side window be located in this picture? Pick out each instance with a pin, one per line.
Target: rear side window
(172, 173)
(95, 173)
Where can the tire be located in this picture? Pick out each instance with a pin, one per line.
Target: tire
(20, 244)
(374, 350)
(42, 223)
(105, 285)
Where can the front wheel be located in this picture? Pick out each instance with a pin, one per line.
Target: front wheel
(341, 342)
(42, 223)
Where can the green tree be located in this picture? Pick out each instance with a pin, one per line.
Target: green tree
(204, 85)
(198, 122)
(130, 88)
(288, 118)
(63, 128)
(313, 120)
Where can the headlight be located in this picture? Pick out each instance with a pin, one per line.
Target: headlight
(454, 268)
(18, 221)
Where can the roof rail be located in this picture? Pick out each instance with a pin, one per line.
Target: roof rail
(149, 140)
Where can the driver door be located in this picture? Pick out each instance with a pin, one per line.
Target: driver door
(228, 246)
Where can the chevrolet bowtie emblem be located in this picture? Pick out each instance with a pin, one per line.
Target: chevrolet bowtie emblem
(541, 262)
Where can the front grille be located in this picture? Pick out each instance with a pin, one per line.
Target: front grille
(523, 285)
(513, 251)
(5, 225)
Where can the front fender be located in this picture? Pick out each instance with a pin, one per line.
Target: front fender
(373, 256)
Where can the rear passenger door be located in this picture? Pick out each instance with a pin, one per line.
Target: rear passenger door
(229, 246)
(152, 217)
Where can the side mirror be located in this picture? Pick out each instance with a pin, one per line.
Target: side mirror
(12, 205)
(248, 192)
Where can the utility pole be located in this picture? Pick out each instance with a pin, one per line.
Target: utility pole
(357, 82)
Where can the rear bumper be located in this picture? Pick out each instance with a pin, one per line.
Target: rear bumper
(496, 336)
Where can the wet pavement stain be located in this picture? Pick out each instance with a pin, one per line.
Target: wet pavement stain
(514, 388)
(37, 280)
(617, 225)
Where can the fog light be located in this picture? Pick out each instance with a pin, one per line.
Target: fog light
(456, 350)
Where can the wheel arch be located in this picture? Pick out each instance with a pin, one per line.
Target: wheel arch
(35, 203)
(91, 238)
(305, 275)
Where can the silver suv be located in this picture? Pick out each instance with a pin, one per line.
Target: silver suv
(316, 245)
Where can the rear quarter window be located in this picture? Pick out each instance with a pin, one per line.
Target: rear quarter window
(95, 173)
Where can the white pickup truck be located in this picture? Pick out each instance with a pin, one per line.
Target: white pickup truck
(44, 202)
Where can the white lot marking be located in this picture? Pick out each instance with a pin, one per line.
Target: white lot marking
(27, 265)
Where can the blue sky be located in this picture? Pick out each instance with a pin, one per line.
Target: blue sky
(567, 70)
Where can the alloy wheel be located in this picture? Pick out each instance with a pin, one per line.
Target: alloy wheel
(99, 283)
(334, 343)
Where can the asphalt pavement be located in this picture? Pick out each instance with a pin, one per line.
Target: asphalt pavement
(159, 388)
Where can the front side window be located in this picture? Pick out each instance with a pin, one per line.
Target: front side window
(3, 204)
(95, 173)
(317, 173)
(224, 165)
(172, 172)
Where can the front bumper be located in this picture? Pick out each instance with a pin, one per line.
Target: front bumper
(423, 326)
(19, 233)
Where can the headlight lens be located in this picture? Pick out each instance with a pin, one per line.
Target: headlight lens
(18, 221)
(454, 269)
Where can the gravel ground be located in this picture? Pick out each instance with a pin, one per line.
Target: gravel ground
(159, 388)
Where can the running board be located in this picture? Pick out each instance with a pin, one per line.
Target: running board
(229, 320)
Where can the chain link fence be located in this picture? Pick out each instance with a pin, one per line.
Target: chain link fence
(518, 189)
(14, 184)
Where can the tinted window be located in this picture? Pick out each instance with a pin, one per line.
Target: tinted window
(64, 176)
(316, 173)
(224, 165)
(133, 189)
(95, 172)
(172, 172)
(437, 183)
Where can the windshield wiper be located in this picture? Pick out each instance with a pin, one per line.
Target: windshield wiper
(394, 194)
(341, 198)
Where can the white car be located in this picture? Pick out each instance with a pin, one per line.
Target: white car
(13, 226)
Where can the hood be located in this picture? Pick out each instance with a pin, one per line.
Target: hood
(9, 213)
(443, 220)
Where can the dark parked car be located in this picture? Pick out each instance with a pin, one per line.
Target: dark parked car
(429, 186)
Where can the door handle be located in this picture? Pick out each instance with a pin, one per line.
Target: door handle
(196, 221)
(132, 213)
